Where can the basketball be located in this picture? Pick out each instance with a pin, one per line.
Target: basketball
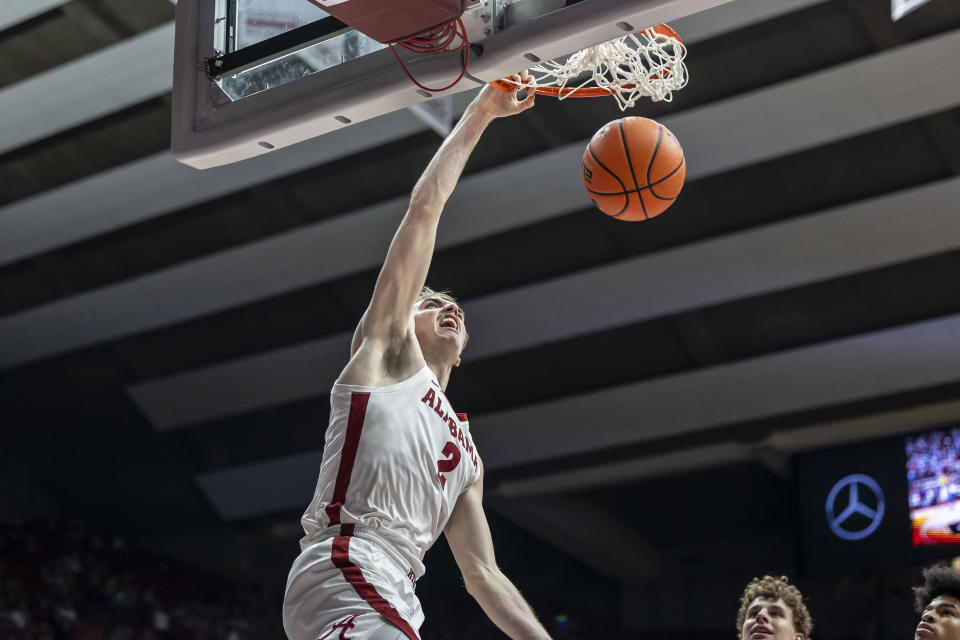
(633, 168)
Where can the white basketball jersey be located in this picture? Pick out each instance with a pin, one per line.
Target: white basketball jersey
(395, 459)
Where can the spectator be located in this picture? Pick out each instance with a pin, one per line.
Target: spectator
(937, 601)
(774, 607)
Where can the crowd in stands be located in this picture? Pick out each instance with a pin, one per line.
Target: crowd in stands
(59, 581)
(933, 467)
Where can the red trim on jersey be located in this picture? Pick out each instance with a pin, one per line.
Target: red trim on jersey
(350, 571)
(358, 410)
(462, 417)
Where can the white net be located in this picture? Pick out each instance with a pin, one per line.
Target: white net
(647, 63)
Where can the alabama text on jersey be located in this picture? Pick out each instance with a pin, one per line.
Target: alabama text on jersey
(396, 459)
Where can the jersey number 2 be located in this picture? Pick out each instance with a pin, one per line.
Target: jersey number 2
(451, 459)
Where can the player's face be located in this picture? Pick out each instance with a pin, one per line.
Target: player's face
(769, 619)
(440, 318)
(940, 620)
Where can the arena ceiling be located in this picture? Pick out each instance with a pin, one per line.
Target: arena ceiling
(168, 336)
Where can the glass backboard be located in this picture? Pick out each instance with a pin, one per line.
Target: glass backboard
(254, 21)
(251, 76)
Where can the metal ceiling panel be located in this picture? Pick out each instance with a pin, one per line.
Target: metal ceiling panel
(828, 244)
(760, 125)
(733, 16)
(234, 496)
(295, 372)
(97, 84)
(816, 436)
(13, 12)
(158, 184)
(884, 362)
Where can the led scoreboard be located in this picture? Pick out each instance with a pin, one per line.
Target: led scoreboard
(933, 481)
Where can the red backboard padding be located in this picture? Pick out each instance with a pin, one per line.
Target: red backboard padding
(389, 21)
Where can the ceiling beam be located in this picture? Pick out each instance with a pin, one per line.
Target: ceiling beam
(750, 128)
(795, 440)
(158, 184)
(906, 358)
(572, 526)
(828, 244)
(895, 360)
(97, 84)
(943, 129)
(13, 12)
(234, 498)
(734, 15)
(584, 478)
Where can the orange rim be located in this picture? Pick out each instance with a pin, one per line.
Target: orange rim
(587, 92)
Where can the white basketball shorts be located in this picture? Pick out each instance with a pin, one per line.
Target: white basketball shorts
(348, 586)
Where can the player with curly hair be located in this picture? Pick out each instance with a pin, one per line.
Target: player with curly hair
(937, 601)
(773, 609)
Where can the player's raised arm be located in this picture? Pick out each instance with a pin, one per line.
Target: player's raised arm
(408, 259)
(468, 535)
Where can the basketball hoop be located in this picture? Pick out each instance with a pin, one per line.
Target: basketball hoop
(648, 63)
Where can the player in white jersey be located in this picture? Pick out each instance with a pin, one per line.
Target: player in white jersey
(399, 465)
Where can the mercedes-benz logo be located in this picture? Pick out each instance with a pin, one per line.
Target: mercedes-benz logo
(840, 522)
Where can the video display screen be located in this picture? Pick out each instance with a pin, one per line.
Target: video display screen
(933, 477)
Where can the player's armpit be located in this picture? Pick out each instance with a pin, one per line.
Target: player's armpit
(468, 535)
(357, 336)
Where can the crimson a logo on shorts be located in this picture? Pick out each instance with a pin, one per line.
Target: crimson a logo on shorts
(344, 625)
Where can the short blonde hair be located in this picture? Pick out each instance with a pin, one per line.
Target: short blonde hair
(427, 292)
(776, 589)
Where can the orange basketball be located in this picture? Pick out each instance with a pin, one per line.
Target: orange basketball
(633, 168)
